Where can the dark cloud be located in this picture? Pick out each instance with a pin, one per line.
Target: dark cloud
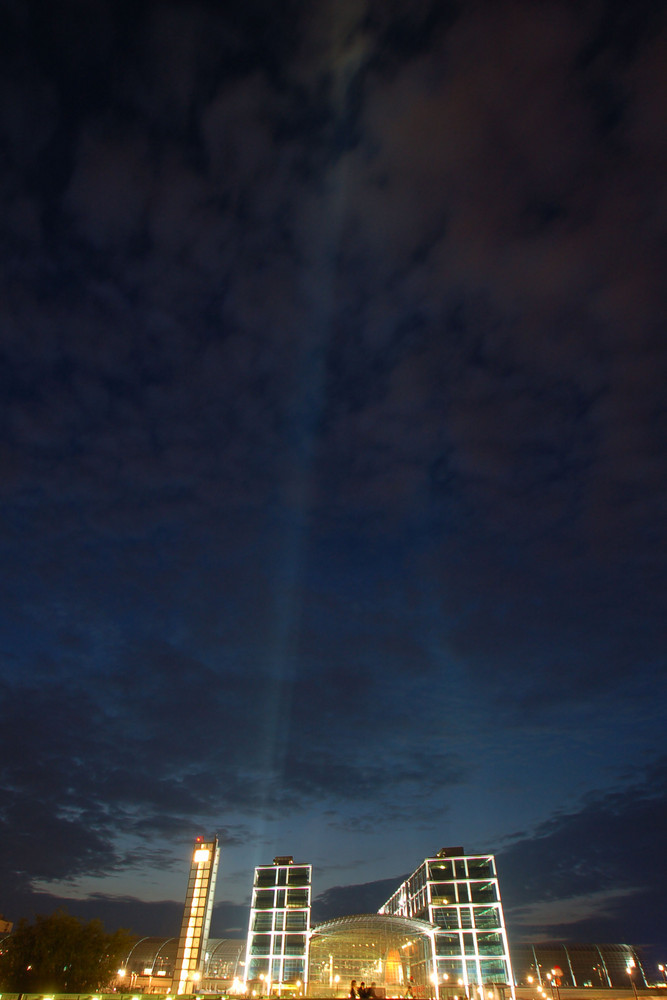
(580, 873)
(86, 766)
(332, 436)
(159, 919)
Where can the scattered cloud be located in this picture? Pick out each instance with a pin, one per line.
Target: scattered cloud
(333, 434)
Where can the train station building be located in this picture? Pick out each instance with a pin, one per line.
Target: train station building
(441, 935)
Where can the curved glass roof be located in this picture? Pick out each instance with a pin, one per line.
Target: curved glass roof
(160, 953)
(385, 950)
(147, 950)
(372, 921)
(224, 949)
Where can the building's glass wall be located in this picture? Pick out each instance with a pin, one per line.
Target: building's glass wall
(196, 915)
(577, 965)
(388, 952)
(277, 948)
(157, 954)
(149, 965)
(224, 960)
(460, 895)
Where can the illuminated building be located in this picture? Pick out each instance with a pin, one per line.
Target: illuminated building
(192, 941)
(441, 933)
(458, 895)
(279, 926)
(600, 966)
(151, 961)
(389, 951)
(335, 957)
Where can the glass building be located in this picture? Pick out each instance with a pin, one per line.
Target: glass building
(196, 922)
(440, 936)
(387, 952)
(442, 933)
(578, 965)
(151, 962)
(458, 895)
(279, 926)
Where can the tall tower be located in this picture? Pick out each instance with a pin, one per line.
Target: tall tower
(196, 916)
(277, 949)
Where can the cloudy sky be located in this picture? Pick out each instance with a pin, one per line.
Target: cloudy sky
(333, 452)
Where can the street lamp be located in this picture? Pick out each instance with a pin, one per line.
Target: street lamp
(551, 983)
(554, 981)
(557, 973)
(664, 973)
(630, 969)
(465, 987)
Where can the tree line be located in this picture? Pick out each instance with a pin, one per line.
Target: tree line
(60, 953)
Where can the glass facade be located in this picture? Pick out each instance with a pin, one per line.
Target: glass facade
(196, 916)
(577, 965)
(459, 895)
(389, 952)
(441, 935)
(277, 947)
(224, 961)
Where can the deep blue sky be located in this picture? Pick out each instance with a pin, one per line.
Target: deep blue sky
(333, 452)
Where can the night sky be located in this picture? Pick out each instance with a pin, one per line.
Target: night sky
(333, 452)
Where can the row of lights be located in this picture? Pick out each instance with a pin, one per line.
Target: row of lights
(551, 976)
(554, 980)
(266, 980)
(147, 972)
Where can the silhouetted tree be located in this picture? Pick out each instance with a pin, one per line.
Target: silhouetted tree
(60, 953)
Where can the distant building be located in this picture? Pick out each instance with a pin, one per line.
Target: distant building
(149, 965)
(575, 965)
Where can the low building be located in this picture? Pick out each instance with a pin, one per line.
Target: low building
(150, 965)
(596, 966)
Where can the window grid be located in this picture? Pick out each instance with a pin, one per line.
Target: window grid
(460, 896)
(279, 923)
